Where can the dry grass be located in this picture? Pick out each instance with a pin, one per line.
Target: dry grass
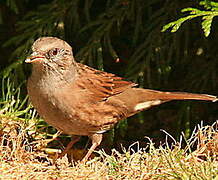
(22, 157)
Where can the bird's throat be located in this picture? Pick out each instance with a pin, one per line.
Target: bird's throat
(49, 74)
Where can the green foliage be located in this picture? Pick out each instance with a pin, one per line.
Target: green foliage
(207, 15)
(12, 5)
(12, 104)
(46, 21)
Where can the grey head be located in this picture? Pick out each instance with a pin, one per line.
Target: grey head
(51, 53)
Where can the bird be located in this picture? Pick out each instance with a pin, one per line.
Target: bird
(82, 101)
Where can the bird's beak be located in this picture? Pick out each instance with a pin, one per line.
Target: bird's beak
(34, 57)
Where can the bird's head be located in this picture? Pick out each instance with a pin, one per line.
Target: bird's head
(51, 52)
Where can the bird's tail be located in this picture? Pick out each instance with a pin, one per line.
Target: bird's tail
(180, 96)
(141, 99)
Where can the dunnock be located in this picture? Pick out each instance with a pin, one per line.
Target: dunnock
(80, 100)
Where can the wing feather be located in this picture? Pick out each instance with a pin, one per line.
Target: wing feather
(101, 84)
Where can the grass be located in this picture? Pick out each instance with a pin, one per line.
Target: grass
(23, 156)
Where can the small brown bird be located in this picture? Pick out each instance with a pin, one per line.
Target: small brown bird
(79, 100)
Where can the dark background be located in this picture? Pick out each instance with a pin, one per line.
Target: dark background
(100, 32)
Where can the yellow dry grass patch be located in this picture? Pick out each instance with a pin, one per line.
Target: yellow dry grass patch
(22, 157)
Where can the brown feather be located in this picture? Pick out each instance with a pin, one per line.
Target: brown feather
(102, 84)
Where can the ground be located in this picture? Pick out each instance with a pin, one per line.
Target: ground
(23, 155)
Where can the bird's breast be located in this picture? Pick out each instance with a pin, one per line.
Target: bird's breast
(62, 106)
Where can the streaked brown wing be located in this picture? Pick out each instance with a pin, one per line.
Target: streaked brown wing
(101, 84)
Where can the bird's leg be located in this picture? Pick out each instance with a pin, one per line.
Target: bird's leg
(69, 146)
(96, 141)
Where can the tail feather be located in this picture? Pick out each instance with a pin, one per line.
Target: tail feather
(138, 99)
(179, 96)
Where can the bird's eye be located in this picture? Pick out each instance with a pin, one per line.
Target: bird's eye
(54, 51)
